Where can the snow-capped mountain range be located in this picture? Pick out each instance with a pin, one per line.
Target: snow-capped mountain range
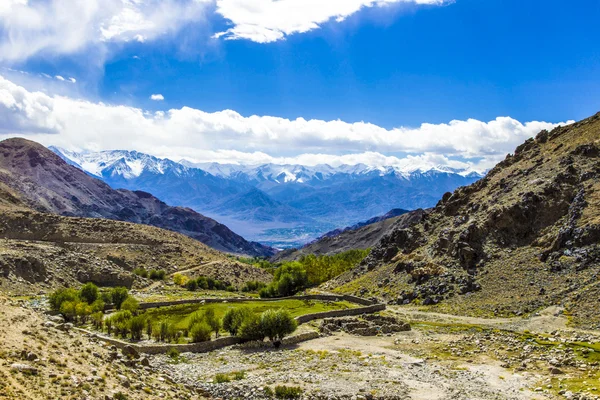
(280, 205)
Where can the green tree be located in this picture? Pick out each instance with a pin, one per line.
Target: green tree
(118, 296)
(233, 319)
(89, 292)
(212, 321)
(136, 326)
(58, 297)
(275, 325)
(251, 328)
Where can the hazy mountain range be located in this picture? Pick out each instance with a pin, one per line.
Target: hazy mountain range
(44, 182)
(280, 205)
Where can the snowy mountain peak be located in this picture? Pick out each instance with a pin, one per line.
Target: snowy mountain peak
(123, 163)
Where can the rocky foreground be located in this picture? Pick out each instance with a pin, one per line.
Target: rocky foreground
(437, 357)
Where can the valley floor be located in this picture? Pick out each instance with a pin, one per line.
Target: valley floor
(443, 357)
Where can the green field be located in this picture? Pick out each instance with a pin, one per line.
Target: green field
(180, 315)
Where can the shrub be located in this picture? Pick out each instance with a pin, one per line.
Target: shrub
(68, 310)
(180, 279)
(233, 319)
(288, 392)
(98, 305)
(212, 321)
(173, 353)
(157, 274)
(202, 282)
(251, 329)
(191, 285)
(120, 396)
(118, 296)
(238, 375)
(60, 296)
(210, 283)
(136, 327)
(141, 272)
(288, 280)
(98, 320)
(130, 304)
(231, 288)
(200, 332)
(89, 293)
(253, 286)
(83, 310)
(222, 378)
(277, 324)
(161, 331)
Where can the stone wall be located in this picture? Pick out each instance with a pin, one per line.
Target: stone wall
(340, 313)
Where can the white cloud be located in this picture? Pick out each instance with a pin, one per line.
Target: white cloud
(72, 80)
(60, 78)
(200, 136)
(157, 97)
(58, 27)
(265, 21)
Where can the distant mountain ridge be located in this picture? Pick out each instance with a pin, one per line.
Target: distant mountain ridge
(390, 214)
(282, 205)
(48, 184)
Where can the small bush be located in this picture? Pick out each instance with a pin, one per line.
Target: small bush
(98, 305)
(253, 286)
(97, 320)
(238, 375)
(202, 283)
(200, 332)
(173, 353)
(157, 275)
(222, 378)
(288, 392)
(191, 285)
(89, 293)
(120, 396)
(180, 279)
(130, 304)
(141, 272)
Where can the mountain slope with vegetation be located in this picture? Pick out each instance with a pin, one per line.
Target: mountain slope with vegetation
(46, 183)
(524, 237)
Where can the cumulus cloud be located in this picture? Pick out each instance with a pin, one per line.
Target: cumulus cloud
(157, 97)
(200, 136)
(59, 27)
(265, 21)
(60, 78)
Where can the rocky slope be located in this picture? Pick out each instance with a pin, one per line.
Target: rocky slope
(44, 182)
(525, 236)
(40, 251)
(362, 236)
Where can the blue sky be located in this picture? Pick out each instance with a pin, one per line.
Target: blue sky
(396, 66)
